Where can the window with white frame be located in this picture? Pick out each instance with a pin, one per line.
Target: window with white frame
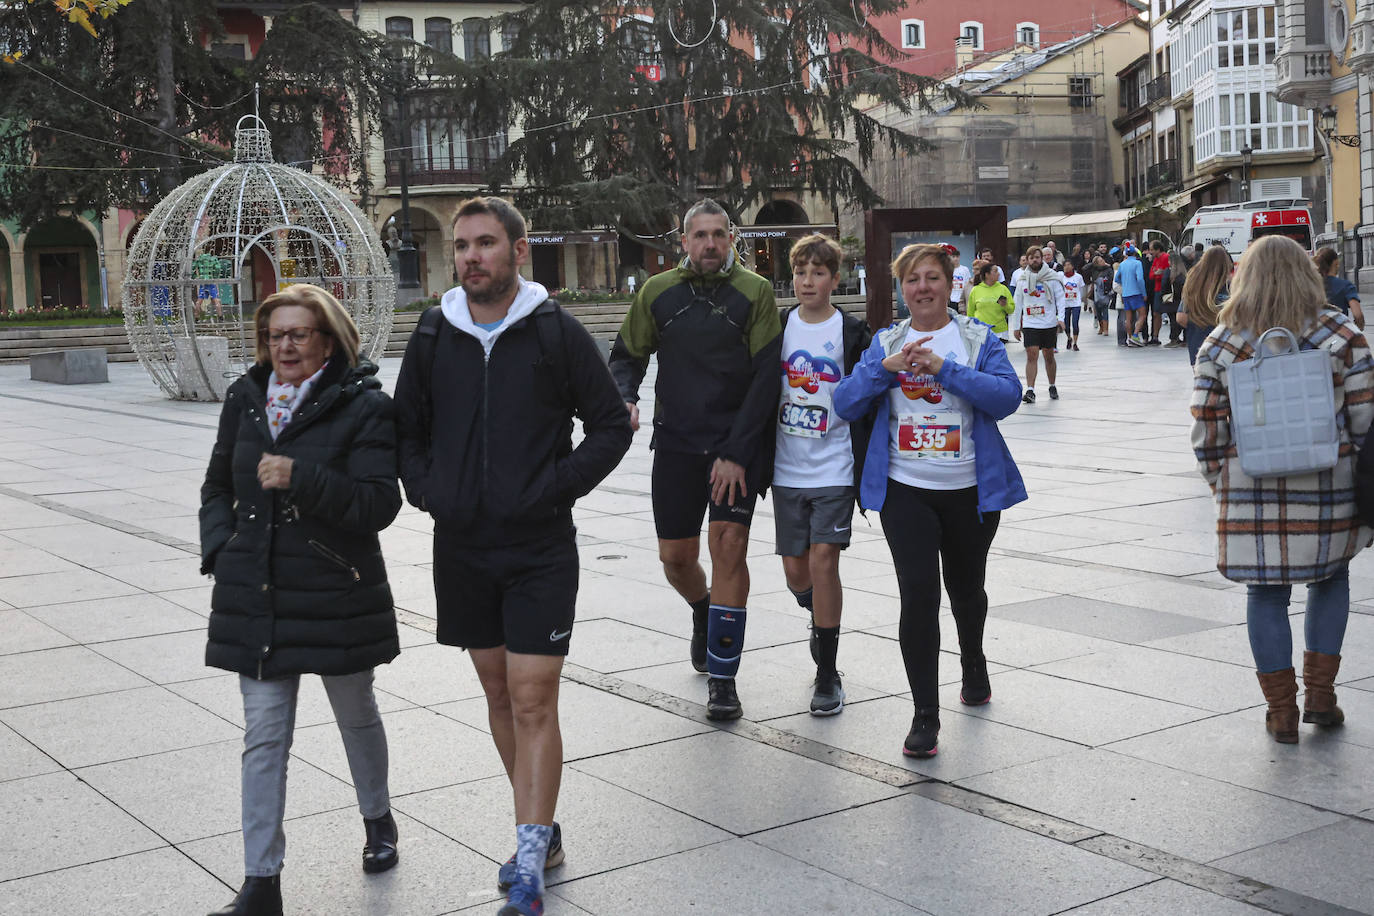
(970, 36)
(1261, 122)
(913, 33)
(1028, 33)
(1245, 38)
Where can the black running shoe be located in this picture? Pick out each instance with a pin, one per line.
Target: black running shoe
(977, 690)
(828, 697)
(1028, 397)
(1054, 393)
(721, 700)
(925, 730)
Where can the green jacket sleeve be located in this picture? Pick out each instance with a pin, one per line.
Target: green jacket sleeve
(637, 340)
(755, 417)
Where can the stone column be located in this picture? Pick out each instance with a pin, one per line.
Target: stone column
(19, 286)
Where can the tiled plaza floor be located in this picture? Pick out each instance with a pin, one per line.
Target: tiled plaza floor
(1122, 766)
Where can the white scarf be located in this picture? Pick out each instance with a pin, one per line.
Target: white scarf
(283, 398)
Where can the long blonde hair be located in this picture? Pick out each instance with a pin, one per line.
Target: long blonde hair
(1276, 285)
(1205, 283)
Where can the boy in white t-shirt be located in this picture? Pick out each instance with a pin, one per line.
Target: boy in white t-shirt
(818, 454)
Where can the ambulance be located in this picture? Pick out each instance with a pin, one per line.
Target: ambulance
(1235, 226)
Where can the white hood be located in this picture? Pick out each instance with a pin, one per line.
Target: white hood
(455, 309)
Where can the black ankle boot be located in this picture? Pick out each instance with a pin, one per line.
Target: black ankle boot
(257, 897)
(379, 853)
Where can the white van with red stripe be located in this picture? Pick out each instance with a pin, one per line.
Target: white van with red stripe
(1235, 226)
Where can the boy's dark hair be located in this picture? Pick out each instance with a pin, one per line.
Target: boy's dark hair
(820, 249)
(509, 217)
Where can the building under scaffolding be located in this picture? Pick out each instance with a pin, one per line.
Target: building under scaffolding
(1040, 139)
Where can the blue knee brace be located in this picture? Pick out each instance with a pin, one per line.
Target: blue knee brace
(724, 640)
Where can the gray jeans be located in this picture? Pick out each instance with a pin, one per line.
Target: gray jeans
(269, 710)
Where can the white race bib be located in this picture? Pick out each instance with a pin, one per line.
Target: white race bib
(934, 433)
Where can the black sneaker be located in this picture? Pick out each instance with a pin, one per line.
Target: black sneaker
(505, 875)
(1054, 393)
(977, 690)
(828, 697)
(925, 729)
(1028, 397)
(698, 650)
(721, 700)
(1152, 342)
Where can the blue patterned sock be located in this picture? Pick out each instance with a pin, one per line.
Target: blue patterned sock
(531, 849)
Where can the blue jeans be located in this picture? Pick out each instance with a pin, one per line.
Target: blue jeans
(1071, 322)
(269, 711)
(1266, 617)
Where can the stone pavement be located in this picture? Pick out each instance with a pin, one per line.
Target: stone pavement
(1122, 766)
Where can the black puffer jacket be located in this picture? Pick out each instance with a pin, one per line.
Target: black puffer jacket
(300, 586)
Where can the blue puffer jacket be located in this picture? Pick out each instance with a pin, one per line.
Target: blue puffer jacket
(992, 387)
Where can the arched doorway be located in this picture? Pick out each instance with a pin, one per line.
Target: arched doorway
(62, 265)
(436, 263)
(771, 254)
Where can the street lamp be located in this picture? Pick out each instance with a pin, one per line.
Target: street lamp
(407, 258)
(1328, 128)
(1246, 156)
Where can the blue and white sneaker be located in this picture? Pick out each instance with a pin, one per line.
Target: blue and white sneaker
(505, 877)
(524, 898)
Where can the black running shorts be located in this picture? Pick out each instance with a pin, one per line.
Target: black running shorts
(521, 596)
(681, 492)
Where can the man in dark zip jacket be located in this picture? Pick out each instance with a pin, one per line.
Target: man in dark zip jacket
(485, 403)
(715, 328)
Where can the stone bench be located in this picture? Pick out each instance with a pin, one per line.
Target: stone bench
(70, 367)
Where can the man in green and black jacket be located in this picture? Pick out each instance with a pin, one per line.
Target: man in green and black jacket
(715, 328)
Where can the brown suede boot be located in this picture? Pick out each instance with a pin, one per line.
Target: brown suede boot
(1319, 677)
(1281, 690)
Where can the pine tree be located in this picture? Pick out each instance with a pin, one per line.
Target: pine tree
(121, 117)
(623, 114)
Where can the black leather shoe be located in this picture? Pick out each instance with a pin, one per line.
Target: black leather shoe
(257, 897)
(379, 853)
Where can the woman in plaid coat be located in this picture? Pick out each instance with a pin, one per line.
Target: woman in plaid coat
(1274, 532)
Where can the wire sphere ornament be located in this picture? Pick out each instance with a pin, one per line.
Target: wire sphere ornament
(202, 258)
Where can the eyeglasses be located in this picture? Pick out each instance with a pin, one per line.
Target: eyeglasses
(299, 336)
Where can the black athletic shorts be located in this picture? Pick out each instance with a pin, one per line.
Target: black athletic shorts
(521, 596)
(681, 492)
(1045, 338)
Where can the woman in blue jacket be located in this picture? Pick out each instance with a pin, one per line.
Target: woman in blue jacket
(938, 471)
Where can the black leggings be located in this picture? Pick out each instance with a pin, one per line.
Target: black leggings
(924, 528)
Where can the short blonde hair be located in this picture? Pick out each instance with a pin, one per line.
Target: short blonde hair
(1276, 285)
(912, 255)
(330, 317)
(819, 249)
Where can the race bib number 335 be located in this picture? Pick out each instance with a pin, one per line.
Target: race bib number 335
(927, 439)
(810, 420)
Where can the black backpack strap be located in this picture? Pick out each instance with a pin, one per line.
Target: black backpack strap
(427, 341)
(548, 328)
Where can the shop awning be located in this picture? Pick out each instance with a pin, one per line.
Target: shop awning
(1070, 223)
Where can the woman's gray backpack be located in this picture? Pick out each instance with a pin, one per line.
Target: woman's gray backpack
(1283, 409)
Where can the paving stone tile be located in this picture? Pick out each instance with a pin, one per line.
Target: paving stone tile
(608, 645)
(160, 882)
(687, 775)
(19, 758)
(1147, 559)
(1019, 645)
(1182, 679)
(18, 513)
(430, 674)
(867, 660)
(323, 875)
(426, 750)
(1074, 711)
(164, 658)
(1101, 619)
(1181, 597)
(220, 694)
(1100, 529)
(593, 722)
(969, 745)
(1328, 772)
(716, 879)
(1033, 874)
(60, 588)
(1165, 896)
(58, 674)
(1330, 863)
(196, 600)
(95, 545)
(193, 793)
(118, 618)
(1191, 816)
(18, 559)
(115, 726)
(20, 632)
(604, 827)
(158, 575)
(68, 822)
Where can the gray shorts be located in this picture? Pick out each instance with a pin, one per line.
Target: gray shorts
(813, 515)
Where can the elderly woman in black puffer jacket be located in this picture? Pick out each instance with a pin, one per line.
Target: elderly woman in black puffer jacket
(301, 479)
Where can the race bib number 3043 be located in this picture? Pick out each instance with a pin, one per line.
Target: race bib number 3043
(810, 421)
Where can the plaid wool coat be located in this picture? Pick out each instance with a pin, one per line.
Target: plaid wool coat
(1278, 530)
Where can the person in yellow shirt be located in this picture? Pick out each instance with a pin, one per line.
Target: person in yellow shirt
(990, 301)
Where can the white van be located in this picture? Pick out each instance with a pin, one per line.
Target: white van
(1235, 226)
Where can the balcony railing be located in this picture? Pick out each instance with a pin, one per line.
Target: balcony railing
(1162, 175)
(1157, 89)
(1303, 75)
(440, 170)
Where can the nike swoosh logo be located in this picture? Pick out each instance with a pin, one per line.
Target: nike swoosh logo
(555, 636)
(839, 529)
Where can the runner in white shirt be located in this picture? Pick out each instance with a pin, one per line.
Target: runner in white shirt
(1038, 318)
(958, 289)
(1073, 304)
